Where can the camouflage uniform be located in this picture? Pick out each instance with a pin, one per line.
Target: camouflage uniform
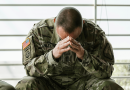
(5, 86)
(68, 72)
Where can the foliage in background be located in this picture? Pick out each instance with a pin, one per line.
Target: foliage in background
(122, 70)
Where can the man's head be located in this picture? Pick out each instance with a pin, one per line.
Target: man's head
(69, 23)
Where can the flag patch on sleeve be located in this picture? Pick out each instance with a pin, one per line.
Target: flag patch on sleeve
(26, 43)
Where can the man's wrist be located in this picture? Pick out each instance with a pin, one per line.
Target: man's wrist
(84, 56)
(50, 59)
(55, 59)
(80, 59)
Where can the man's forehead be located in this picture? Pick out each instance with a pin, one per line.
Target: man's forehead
(63, 34)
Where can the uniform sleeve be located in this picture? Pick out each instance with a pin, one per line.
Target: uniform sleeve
(38, 59)
(99, 62)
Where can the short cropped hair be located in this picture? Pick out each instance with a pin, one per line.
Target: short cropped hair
(69, 19)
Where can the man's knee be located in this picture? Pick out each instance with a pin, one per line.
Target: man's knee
(6, 86)
(109, 84)
(26, 82)
(30, 83)
(105, 84)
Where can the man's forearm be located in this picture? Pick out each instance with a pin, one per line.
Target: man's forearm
(99, 68)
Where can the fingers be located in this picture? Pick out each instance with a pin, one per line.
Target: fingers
(64, 40)
(73, 50)
(74, 41)
(69, 41)
(64, 45)
(74, 46)
(65, 50)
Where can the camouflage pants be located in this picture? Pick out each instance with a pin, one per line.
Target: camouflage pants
(5, 86)
(41, 83)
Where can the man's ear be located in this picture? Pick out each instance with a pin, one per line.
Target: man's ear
(83, 21)
(54, 19)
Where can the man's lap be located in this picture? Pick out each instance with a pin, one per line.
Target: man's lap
(35, 83)
(95, 84)
(41, 83)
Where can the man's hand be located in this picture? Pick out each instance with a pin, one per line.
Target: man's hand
(61, 47)
(77, 48)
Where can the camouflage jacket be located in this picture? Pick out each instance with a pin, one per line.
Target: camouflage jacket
(98, 59)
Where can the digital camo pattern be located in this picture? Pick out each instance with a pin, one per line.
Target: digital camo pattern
(68, 72)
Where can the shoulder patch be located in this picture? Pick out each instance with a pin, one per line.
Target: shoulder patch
(26, 43)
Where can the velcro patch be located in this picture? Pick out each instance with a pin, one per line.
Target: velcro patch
(26, 43)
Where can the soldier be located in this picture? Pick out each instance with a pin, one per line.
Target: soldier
(5, 86)
(67, 53)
